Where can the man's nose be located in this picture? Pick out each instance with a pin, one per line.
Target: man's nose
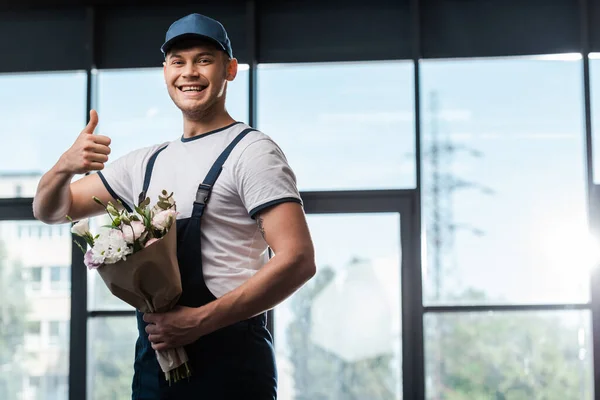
(190, 71)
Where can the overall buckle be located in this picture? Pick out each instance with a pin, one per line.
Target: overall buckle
(203, 194)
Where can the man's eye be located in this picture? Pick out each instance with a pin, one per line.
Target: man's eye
(204, 61)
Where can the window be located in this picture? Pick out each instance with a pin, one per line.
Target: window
(355, 120)
(595, 111)
(34, 381)
(59, 278)
(148, 118)
(152, 118)
(503, 182)
(35, 278)
(55, 332)
(505, 223)
(42, 135)
(25, 311)
(339, 336)
(36, 274)
(55, 274)
(34, 327)
(110, 361)
(509, 355)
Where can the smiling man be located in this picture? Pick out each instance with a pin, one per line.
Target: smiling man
(236, 196)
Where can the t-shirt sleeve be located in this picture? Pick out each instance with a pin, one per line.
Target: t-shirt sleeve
(117, 179)
(264, 177)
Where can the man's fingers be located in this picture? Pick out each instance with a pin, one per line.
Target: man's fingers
(155, 338)
(159, 346)
(93, 122)
(151, 329)
(97, 157)
(98, 148)
(149, 317)
(93, 166)
(103, 140)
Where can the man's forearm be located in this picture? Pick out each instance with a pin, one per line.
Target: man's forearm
(53, 197)
(276, 281)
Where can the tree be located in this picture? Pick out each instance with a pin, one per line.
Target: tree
(322, 375)
(13, 309)
(111, 368)
(508, 355)
(483, 356)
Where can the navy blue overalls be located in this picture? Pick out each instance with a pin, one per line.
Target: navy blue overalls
(236, 362)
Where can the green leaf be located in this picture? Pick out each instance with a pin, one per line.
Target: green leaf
(80, 246)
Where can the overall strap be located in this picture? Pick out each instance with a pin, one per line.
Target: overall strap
(148, 174)
(205, 188)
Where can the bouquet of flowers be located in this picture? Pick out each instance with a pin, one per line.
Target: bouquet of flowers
(136, 257)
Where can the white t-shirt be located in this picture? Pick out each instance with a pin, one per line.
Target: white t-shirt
(255, 176)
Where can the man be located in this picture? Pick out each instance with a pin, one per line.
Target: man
(236, 196)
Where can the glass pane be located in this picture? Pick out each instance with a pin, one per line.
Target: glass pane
(110, 358)
(509, 355)
(339, 336)
(146, 115)
(39, 127)
(595, 112)
(355, 120)
(504, 182)
(55, 274)
(33, 352)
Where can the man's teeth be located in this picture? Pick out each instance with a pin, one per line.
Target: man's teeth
(191, 88)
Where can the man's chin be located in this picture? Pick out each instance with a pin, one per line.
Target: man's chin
(194, 113)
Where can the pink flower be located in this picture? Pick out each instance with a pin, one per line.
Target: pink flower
(164, 219)
(149, 242)
(89, 262)
(134, 231)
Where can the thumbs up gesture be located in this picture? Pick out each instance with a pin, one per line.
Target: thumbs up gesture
(89, 152)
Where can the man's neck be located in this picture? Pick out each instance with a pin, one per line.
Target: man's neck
(208, 123)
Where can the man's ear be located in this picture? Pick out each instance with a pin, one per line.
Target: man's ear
(232, 69)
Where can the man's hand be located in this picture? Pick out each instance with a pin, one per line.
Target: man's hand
(175, 328)
(88, 153)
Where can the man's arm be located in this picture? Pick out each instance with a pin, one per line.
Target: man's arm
(56, 197)
(285, 229)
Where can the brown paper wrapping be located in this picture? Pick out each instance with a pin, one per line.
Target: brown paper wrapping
(149, 280)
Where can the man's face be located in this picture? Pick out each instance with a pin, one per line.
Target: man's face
(196, 78)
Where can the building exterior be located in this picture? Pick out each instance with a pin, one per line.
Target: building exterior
(42, 253)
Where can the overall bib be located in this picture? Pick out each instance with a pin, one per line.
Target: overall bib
(236, 362)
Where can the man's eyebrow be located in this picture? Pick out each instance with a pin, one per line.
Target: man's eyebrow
(200, 54)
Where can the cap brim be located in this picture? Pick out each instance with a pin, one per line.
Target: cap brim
(169, 43)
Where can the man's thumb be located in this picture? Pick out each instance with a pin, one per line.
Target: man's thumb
(93, 122)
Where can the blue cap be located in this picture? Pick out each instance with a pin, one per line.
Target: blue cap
(200, 26)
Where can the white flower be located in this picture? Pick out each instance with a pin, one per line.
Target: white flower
(81, 228)
(132, 232)
(110, 247)
(164, 219)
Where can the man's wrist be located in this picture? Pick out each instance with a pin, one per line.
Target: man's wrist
(202, 318)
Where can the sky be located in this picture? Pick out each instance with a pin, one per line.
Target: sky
(350, 126)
